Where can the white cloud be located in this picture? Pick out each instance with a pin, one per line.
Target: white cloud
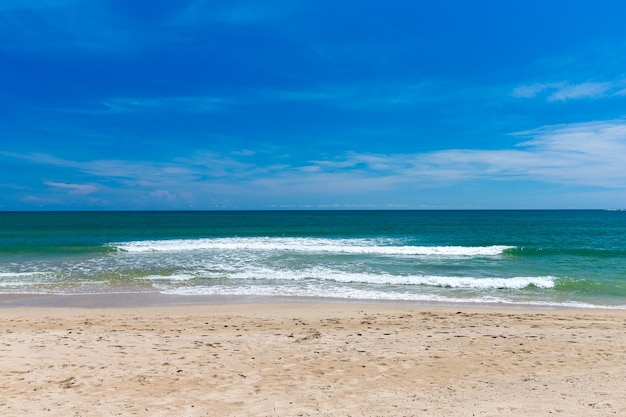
(583, 90)
(163, 195)
(75, 189)
(578, 156)
(564, 91)
(529, 91)
(243, 152)
(584, 156)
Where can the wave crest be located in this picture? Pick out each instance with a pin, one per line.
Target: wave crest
(318, 245)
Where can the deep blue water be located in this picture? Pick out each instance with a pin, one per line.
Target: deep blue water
(574, 258)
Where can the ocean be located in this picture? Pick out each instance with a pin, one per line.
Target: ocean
(552, 258)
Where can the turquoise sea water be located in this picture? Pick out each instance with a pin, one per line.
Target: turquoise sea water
(545, 258)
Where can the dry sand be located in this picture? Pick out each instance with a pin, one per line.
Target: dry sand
(311, 360)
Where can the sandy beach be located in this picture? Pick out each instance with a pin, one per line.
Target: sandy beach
(307, 359)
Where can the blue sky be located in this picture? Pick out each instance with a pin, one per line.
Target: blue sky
(196, 104)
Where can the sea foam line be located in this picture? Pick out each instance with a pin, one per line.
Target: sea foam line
(514, 283)
(317, 245)
(329, 275)
(356, 294)
(19, 274)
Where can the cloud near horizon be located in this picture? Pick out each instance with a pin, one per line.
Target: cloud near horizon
(75, 189)
(588, 154)
(583, 153)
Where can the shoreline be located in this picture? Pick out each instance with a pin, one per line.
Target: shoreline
(156, 299)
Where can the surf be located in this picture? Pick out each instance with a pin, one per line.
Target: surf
(315, 245)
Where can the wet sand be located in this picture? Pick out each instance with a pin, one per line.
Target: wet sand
(308, 359)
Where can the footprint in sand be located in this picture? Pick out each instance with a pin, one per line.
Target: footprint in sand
(68, 383)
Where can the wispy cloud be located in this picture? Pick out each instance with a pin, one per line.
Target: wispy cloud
(587, 155)
(380, 96)
(200, 104)
(584, 154)
(146, 105)
(128, 173)
(564, 91)
(583, 90)
(530, 90)
(76, 189)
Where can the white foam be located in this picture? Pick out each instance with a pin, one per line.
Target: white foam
(357, 294)
(299, 291)
(317, 245)
(19, 274)
(23, 279)
(387, 279)
(173, 277)
(514, 283)
(254, 273)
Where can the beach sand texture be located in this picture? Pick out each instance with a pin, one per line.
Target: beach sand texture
(309, 359)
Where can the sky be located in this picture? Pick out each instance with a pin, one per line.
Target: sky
(312, 104)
